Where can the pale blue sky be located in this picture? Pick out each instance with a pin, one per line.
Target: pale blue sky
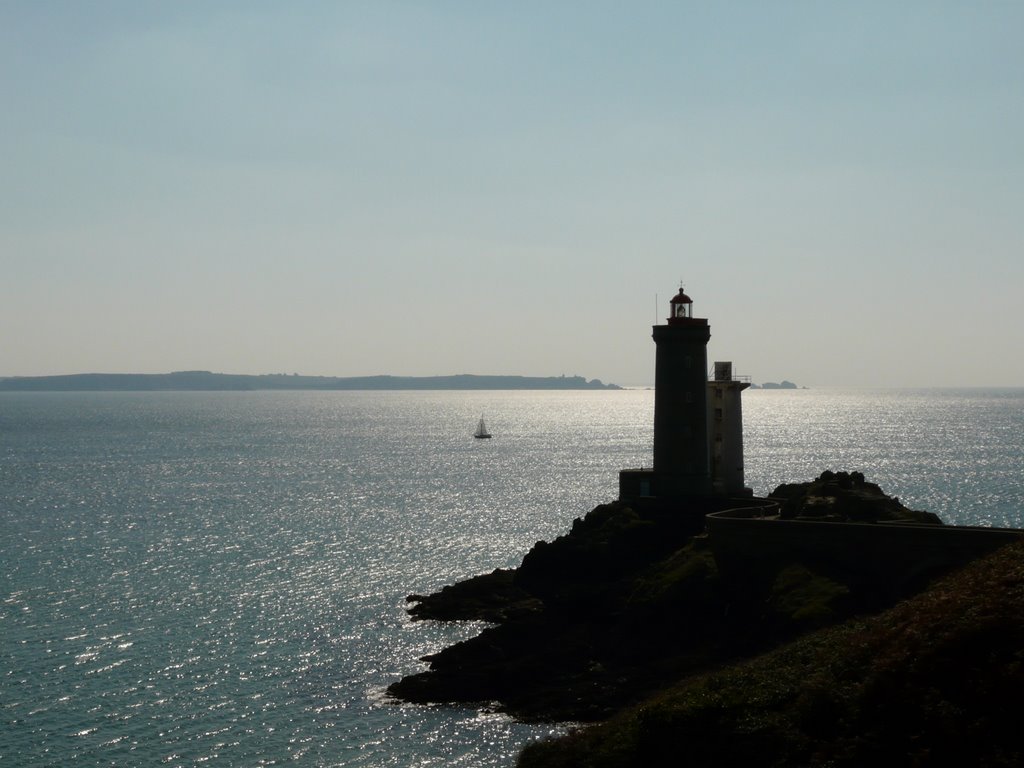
(348, 188)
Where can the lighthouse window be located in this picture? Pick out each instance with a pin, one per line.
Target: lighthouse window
(689, 397)
(689, 362)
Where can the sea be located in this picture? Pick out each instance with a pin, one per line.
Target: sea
(219, 578)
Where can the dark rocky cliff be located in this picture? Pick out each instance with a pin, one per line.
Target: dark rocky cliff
(627, 600)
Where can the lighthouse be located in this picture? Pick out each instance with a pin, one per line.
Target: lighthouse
(698, 425)
(680, 401)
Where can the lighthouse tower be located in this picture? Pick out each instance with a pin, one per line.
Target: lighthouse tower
(698, 424)
(680, 402)
(682, 466)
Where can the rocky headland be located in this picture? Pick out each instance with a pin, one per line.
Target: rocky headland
(626, 619)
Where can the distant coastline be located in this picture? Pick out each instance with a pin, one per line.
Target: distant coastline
(776, 385)
(208, 381)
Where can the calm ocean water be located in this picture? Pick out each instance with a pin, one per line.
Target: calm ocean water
(218, 578)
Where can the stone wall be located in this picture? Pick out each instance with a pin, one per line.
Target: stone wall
(749, 545)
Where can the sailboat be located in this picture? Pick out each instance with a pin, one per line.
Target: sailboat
(481, 430)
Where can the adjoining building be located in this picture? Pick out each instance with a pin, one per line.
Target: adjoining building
(725, 431)
(698, 425)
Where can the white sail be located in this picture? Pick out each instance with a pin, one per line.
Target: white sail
(481, 429)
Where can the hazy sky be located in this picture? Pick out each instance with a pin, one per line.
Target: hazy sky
(350, 188)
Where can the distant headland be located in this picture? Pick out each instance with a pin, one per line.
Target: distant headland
(208, 381)
(776, 385)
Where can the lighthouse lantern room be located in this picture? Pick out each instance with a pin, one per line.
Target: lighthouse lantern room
(681, 308)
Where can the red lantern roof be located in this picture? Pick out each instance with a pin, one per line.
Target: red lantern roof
(681, 298)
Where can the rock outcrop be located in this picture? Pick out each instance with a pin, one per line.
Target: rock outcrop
(844, 497)
(627, 602)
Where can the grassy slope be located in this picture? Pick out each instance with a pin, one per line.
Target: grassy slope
(935, 680)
